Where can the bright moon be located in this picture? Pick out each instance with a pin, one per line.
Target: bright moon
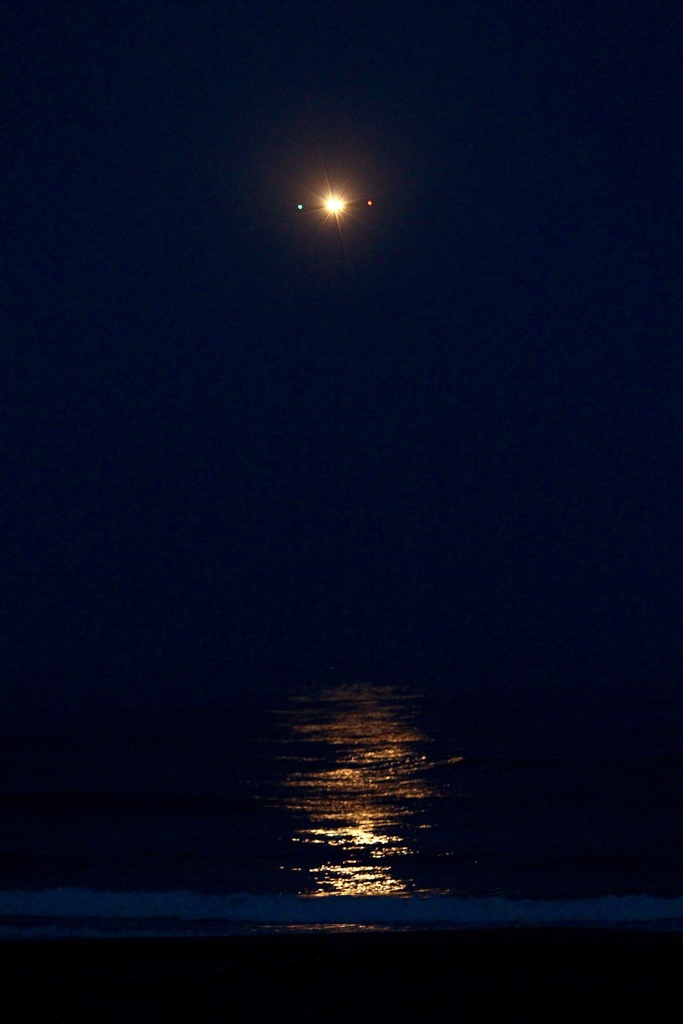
(334, 205)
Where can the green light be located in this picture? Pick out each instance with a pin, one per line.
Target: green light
(300, 206)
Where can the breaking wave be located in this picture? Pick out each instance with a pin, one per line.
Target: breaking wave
(71, 912)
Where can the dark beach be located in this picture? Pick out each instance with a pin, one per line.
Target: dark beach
(502, 975)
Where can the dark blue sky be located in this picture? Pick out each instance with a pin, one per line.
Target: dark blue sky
(229, 439)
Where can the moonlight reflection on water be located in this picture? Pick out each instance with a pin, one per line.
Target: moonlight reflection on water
(360, 790)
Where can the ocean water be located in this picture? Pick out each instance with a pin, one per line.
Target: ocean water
(350, 803)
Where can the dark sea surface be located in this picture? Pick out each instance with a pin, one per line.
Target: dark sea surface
(396, 804)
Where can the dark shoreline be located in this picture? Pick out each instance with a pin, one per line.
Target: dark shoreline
(521, 975)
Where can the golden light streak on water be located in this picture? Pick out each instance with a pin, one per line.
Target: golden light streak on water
(363, 790)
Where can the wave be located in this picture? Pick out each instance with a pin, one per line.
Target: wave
(62, 912)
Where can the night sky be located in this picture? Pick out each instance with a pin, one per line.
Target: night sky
(446, 430)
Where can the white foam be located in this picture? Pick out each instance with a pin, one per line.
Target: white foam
(62, 911)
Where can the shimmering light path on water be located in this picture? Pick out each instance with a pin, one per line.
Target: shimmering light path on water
(359, 791)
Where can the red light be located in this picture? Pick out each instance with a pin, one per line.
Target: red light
(369, 202)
